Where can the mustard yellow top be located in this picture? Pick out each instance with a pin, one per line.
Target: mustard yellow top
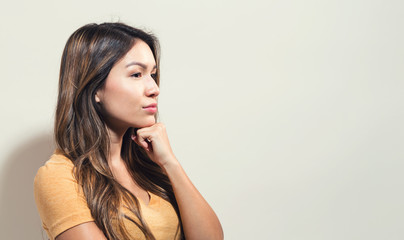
(61, 204)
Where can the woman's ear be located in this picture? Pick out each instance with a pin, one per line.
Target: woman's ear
(97, 98)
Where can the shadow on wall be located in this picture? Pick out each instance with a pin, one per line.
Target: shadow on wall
(19, 218)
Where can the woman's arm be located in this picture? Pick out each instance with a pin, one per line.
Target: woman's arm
(62, 208)
(198, 218)
(84, 231)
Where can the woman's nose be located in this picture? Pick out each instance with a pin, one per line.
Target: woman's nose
(152, 90)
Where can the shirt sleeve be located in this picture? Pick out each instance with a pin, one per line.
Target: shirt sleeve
(59, 199)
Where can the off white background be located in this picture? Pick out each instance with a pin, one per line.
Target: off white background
(287, 115)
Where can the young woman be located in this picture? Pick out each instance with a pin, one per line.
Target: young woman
(114, 174)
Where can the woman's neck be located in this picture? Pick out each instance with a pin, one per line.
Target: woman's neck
(115, 146)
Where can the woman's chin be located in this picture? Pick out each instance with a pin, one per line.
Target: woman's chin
(145, 124)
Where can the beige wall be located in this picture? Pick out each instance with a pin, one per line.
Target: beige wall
(287, 115)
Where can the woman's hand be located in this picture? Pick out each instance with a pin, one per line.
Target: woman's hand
(155, 141)
(198, 218)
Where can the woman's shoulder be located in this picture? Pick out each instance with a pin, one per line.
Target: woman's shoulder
(56, 165)
(54, 175)
(57, 159)
(59, 198)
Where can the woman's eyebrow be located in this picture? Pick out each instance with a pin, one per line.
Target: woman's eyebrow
(139, 64)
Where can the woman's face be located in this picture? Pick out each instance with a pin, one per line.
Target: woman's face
(129, 96)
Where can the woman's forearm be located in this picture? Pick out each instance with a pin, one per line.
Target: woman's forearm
(198, 218)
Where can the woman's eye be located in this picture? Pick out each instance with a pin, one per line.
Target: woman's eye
(154, 75)
(136, 75)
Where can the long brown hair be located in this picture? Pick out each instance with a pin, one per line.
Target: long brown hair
(81, 134)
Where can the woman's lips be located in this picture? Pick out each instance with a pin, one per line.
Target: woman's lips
(152, 108)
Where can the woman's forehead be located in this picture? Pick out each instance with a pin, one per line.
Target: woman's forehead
(140, 54)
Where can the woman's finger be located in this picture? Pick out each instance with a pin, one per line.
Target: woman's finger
(155, 141)
(140, 141)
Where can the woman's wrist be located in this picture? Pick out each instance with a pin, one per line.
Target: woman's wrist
(170, 163)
